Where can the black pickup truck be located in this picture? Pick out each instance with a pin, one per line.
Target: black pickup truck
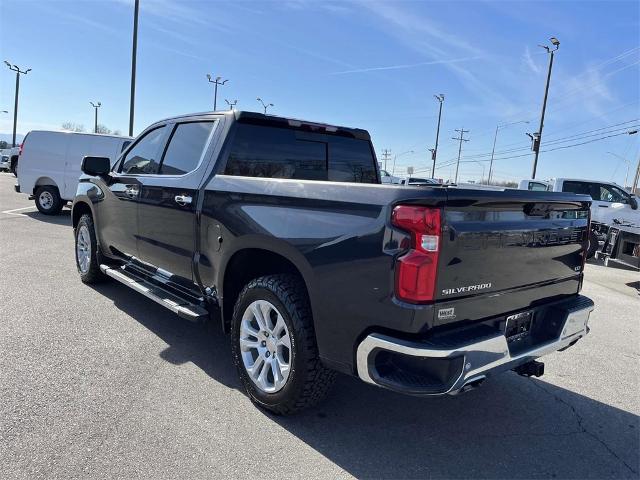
(280, 230)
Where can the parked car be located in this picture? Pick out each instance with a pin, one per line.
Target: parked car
(611, 204)
(280, 230)
(50, 164)
(14, 155)
(5, 162)
(386, 177)
(421, 182)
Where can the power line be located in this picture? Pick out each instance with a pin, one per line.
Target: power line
(454, 161)
(577, 136)
(386, 154)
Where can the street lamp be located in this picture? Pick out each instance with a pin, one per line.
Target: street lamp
(264, 105)
(393, 169)
(216, 82)
(19, 72)
(96, 106)
(628, 162)
(537, 138)
(231, 104)
(434, 151)
(495, 137)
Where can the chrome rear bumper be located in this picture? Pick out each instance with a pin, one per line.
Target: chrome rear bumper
(482, 358)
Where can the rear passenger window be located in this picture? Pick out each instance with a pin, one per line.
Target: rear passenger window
(350, 160)
(186, 147)
(271, 152)
(143, 157)
(275, 153)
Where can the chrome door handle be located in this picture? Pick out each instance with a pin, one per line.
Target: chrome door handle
(183, 200)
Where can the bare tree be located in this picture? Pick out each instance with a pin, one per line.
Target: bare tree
(103, 129)
(73, 127)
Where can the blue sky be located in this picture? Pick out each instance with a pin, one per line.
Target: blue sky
(374, 65)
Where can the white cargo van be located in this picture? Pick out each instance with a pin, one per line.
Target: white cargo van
(49, 165)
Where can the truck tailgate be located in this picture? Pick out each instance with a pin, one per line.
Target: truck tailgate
(512, 247)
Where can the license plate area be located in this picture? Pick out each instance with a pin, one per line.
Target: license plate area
(518, 327)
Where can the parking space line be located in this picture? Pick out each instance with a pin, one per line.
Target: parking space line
(11, 212)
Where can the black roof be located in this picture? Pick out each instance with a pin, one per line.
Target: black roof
(256, 118)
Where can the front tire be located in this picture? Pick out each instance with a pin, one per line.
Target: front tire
(274, 346)
(48, 200)
(87, 255)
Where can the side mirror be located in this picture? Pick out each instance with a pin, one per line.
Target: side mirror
(96, 166)
(633, 201)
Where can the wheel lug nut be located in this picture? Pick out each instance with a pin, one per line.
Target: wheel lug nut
(268, 354)
(264, 344)
(266, 334)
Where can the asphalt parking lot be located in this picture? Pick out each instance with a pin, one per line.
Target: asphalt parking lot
(99, 382)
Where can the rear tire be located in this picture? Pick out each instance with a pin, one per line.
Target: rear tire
(282, 301)
(48, 200)
(87, 254)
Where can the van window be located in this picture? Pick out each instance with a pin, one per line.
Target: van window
(272, 152)
(537, 187)
(143, 157)
(186, 147)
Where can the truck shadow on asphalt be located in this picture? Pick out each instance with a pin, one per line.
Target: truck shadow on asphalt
(512, 427)
(63, 218)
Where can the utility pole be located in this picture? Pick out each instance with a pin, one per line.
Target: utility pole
(96, 106)
(434, 151)
(537, 137)
(216, 82)
(264, 105)
(386, 153)
(231, 104)
(462, 131)
(636, 179)
(19, 72)
(134, 52)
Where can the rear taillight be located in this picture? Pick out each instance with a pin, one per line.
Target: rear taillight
(416, 270)
(20, 149)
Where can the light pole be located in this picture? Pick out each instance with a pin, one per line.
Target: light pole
(134, 52)
(393, 169)
(434, 151)
(628, 162)
(19, 72)
(493, 151)
(537, 138)
(231, 104)
(96, 106)
(216, 82)
(264, 105)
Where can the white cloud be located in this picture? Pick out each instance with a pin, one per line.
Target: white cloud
(406, 65)
(528, 60)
